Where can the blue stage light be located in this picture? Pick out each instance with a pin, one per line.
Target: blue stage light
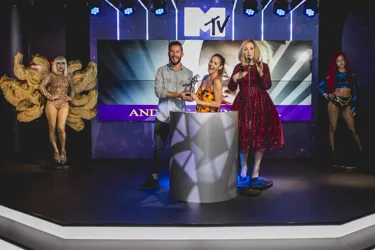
(309, 12)
(280, 12)
(250, 7)
(127, 7)
(159, 12)
(311, 8)
(249, 12)
(159, 7)
(128, 11)
(94, 7)
(95, 11)
(281, 7)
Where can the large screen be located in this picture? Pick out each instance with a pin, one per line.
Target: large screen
(127, 70)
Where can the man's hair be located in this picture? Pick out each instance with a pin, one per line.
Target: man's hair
(175, 43)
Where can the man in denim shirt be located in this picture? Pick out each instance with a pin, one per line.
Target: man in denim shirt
(170, 85)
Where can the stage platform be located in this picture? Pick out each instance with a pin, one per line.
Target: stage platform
(104, 194)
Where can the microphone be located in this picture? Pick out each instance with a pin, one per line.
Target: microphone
(248, 60)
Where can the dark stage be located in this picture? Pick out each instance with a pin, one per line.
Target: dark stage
(105, 193)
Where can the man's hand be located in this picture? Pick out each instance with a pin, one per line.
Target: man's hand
(185, 97)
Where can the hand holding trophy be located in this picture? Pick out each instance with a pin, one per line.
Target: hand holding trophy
(190, 86)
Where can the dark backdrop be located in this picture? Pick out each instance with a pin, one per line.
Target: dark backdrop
(49, 28)
(350, 28)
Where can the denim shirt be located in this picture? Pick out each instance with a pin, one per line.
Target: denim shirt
(170, 80)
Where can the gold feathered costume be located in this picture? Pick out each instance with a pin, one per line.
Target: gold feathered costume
(23, 92)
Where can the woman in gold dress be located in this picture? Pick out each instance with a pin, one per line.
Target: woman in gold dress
(58, 88)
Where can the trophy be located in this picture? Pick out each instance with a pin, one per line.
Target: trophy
(190, 87)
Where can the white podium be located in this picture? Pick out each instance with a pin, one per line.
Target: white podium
(204, 156)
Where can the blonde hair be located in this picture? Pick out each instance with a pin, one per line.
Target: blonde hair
(59, 59)
(262, 51)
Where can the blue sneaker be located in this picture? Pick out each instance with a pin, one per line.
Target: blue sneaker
(260, 183)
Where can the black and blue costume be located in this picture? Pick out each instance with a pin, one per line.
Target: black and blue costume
(342, 80)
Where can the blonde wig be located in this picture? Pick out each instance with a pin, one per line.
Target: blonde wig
(60, 59)
(262, 51)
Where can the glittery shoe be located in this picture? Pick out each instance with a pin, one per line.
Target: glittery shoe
(63, 158)
(56, 157)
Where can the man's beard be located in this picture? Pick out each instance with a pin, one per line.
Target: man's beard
(174, 64)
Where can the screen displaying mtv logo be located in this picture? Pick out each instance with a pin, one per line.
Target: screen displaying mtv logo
(214, 20)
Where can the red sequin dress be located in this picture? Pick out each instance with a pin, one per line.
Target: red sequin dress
(266, 129)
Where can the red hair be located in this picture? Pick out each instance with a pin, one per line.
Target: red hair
(332, 70)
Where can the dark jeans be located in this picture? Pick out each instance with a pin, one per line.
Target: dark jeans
(160, 138)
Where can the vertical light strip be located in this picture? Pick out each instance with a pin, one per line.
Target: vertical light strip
(144, 7)
(117, 18)
(291, 20)
(262, 22)
(176, 17)
(233, 15)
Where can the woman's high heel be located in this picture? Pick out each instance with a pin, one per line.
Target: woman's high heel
(63, 157)
(56, 157)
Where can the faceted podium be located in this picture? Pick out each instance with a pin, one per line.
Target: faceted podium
(203, 156)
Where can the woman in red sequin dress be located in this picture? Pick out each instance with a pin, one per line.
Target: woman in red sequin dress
(265, 127)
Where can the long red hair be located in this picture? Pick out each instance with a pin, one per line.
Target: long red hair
(333, 69)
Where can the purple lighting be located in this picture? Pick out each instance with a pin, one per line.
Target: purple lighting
(148, 112)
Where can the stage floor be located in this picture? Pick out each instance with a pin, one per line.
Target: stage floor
(105, 193)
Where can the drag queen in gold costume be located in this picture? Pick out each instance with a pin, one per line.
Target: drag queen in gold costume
(61, 92)
(57, 107)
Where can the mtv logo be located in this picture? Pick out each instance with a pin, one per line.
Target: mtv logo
(196, 20)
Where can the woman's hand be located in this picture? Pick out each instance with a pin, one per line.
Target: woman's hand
(260, 68)
(54, 97)
(194, 97)
(68, 98)
(332, 95)
(352, 111)
(237, 76)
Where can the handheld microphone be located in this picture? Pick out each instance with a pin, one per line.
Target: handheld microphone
(248, 60)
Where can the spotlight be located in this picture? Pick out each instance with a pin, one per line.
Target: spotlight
(250, 7)
(280, 7)
(159, 7)
(311, 8)
(127, 7)
(94, 7)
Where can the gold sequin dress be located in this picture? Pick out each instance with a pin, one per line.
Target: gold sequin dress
(57, 85)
